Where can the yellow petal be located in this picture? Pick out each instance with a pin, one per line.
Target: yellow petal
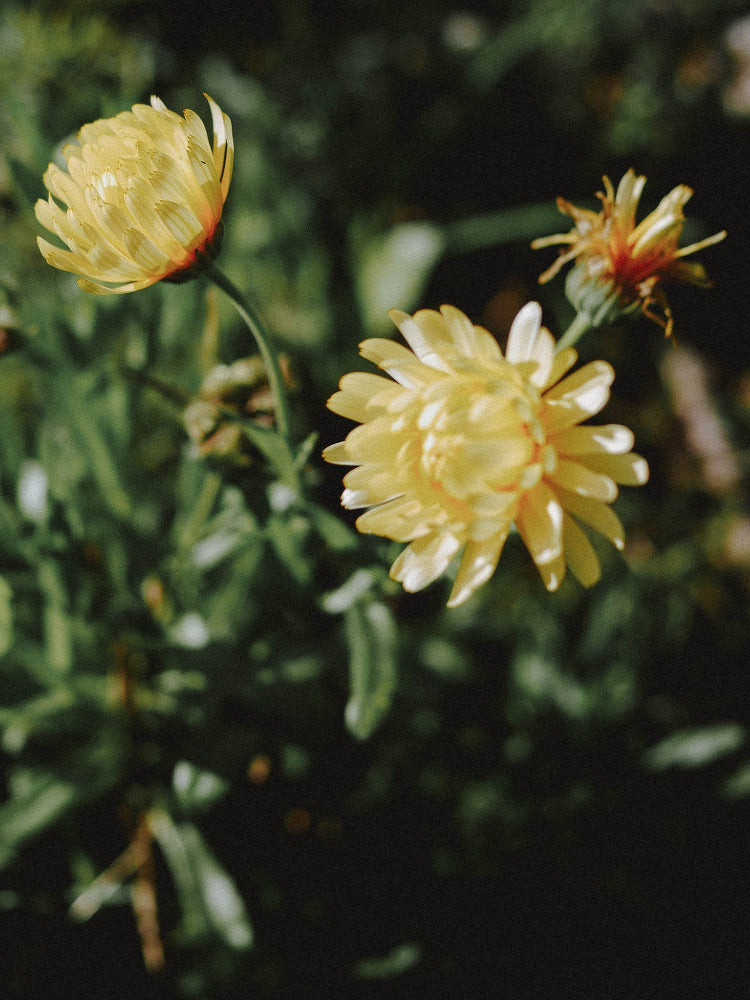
(580, 556)
(579, 478)
(478, 562)
(596, 514)
(425, 560)
(610, 439)
(628, 470)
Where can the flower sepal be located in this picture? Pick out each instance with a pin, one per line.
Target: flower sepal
(201, 259)
(598, 300)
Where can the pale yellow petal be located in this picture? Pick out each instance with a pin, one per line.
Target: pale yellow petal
(399, 362)
(424, 560)
(579, 478)
(478, 562)
(427, 334)
(524, 332)
(368, 485)
(363, 395)
(580, 556)
(596, 514)
(223, 145)
(401, 519)
(610, 439)
(539, 522)
(472, 341)
(628, 470)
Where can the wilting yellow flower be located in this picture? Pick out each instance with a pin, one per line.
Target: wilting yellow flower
(145, 192)
(465, 443)
(621, 265)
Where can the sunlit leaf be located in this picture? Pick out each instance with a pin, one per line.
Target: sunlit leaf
(392, 268)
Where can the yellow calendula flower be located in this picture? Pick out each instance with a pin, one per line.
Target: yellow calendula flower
(145, 192)
(463, 442)
(621, 265)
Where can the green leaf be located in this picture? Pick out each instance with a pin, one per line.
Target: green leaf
(75, 402)
(288, 535)
(398, 961)
(196, 789)
(697, 747)
(31, 811)
(371, 636)
(336, 534)
(208, 895)
(349, 593)
(392, 268)
(57, 624)
(39, 798)
(6, 617)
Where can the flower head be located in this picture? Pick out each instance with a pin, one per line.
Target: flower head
(240, 388)
(465, 442)
(145, 192)
(620, 265)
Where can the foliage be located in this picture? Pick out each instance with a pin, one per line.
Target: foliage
(238, 759)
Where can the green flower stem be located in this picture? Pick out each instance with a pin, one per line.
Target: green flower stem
(263, 341)
(575, 331)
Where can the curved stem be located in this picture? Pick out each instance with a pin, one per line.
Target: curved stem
(263, 342)
(575, 331)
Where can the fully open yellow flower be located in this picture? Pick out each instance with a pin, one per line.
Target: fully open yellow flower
(465, 442)
(621, 265)
(145, 192)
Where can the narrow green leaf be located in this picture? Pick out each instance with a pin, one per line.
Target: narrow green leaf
(697, 747)
(371, 636)
(26, 815)
(208, 895)
(335, 533)
(288, 535)
(6, 617)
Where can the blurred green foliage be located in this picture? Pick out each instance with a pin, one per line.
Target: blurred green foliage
(213, 697)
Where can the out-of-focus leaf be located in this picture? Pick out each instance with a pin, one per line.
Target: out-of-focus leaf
(27, 814)
(21, 720)
(230, 530)
(64, 464)
(25, 182)
(550, 23)
(352, 590)
(398, 960)
(371, 637)
(288, 535)
(196, 789)
(31, 491)
(76, 404)
(39, 798)
(697, 747)
(57, 624)
(541, 682)
(445, 658)
(392, 268)
(737, 785)
(208, 895)
(335, 533)
(511, 225)
(6, 617)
